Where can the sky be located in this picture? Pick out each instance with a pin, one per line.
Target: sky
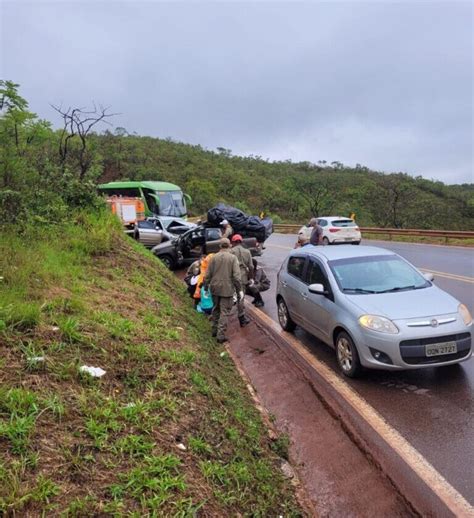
(388, 85)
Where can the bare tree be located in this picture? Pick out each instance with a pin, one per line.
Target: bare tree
(79, 122)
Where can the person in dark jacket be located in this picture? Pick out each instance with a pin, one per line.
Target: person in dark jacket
(259, 283)
(316, 234)
(223, 279)
(246, 273)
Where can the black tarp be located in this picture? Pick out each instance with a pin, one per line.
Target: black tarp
(247, 226)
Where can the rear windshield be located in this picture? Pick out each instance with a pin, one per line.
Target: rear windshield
(343, 223)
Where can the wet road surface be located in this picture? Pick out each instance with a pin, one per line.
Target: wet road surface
(339, 479)
(432, 408)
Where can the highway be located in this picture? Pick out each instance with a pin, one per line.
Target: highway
(433, 409)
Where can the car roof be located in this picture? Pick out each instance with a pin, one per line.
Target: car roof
(331, 218)
(333, 252)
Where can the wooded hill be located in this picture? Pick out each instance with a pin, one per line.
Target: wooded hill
(289, 191)
(44, 173)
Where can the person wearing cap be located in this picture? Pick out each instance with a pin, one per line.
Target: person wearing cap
(223, 279)
(226, 229)
(316, 234)
(246, 273)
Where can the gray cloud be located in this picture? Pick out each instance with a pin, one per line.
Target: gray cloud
(387, 85)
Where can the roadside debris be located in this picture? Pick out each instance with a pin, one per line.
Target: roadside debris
(182, 447)
(95, 372)
(287, 470)
(36, 359)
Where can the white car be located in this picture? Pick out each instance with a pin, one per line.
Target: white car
(335, 230)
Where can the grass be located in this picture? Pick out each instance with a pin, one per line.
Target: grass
(421, 239)
(73, 445)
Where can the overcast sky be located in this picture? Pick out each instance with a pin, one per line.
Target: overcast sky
(386, 85)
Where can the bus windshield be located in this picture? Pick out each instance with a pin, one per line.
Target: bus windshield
(172, 204)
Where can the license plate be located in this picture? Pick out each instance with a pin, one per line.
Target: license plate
(440, 349)
(348, 239)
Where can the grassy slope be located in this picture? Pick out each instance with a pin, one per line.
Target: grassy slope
(78, 445)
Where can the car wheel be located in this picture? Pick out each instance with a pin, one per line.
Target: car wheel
(356, 242)
(326, 241)
(167, 260)
(284, 318)
(347, 356)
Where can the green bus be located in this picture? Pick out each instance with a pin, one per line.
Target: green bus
(160, 198)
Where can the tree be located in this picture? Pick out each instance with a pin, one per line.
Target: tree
(79, 122)
(316, 193)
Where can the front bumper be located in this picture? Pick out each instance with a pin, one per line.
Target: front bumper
(407, 349)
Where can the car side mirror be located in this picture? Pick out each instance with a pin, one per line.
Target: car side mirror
(429, 277)
(317, 289)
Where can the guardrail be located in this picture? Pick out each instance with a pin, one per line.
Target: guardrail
(446, 234)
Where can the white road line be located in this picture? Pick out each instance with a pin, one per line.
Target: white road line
(446, 275)
(412, 457)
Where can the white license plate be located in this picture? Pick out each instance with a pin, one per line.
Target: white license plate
(348, 239)
(440, 349)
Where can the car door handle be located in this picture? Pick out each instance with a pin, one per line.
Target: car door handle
(304, 295)
(284, 284)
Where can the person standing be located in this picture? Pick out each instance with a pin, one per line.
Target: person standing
(226, 230)
(246, 273)
(223, 279)
(259, 283)
(316, 234)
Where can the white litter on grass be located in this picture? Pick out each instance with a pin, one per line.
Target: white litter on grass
(54, 328)
(287, 470)
(36, 359)
(182, 447)
(95, 372)
(223, 353)
(130, 405)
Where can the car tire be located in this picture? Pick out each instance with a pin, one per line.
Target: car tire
(347, 356)
(167, 260)
(284, 318)
(356, 242)
(326, 241)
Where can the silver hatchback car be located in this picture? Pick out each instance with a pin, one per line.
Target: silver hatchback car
(374, 307)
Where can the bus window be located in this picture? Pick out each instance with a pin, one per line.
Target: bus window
(172, 203)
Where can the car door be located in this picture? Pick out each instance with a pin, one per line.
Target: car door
(192, 244)
(292, 284)
(213, 240)
(150, 233)
(318, 310)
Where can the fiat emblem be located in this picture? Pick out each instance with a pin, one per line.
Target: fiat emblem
(434, 322)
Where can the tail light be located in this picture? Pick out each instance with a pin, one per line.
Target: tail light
(334, 230)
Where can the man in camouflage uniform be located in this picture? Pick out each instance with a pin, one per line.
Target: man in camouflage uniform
(246, 273)
(223, 279)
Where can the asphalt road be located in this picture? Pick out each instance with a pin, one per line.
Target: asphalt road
(432, 408)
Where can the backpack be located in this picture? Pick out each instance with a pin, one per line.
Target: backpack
(206, 301)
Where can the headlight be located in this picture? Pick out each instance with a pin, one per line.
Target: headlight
(376, 323)
(465, 315)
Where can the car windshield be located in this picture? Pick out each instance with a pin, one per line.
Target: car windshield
(376, 274)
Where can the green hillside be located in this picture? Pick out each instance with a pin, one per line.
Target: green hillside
(169, 430)
(291, 192)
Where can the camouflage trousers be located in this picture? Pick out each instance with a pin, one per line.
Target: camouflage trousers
(220, 314)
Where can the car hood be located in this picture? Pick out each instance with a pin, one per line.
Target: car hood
(402, 305)
(166, 245)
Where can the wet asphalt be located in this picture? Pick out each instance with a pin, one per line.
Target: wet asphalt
(432, 408)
